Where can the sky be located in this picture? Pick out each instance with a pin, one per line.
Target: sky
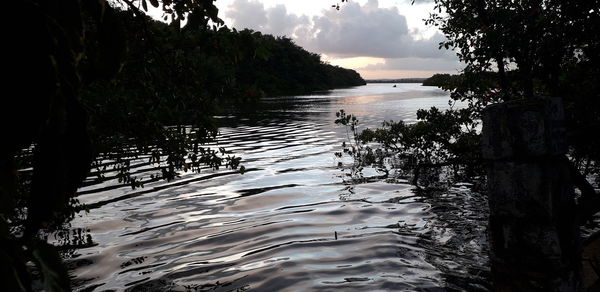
(377, 38)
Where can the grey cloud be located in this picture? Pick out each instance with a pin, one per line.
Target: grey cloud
(247, 14)
(360, 31)
(282, 23)
(354, 30)
(274, 20)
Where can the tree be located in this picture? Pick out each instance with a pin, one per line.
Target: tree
(61, 54)
(105, 82)
(522, 51)
(539, 48)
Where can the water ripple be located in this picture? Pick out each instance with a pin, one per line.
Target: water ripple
(290, 223)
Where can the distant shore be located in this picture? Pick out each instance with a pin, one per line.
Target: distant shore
(401, 80)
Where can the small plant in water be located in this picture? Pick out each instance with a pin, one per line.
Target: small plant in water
(437, 150)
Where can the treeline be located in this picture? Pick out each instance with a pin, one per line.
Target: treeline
(478, 81)
(169, 75)
(440, 80)
(225, 61)
(280, 67)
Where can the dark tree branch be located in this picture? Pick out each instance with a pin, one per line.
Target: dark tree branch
(497, 53)
(589, 202)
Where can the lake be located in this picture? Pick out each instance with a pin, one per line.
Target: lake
(293, 221)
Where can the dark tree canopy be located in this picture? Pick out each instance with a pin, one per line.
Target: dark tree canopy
(537, 48)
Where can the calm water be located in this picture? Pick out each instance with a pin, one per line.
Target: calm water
(291, 223)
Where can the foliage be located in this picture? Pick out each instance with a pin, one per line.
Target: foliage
(538, 48)
(74, 45)
(439, 148)
(107, 83)
(276, 66)
(441, 80)
(512, 50)
(189, 75)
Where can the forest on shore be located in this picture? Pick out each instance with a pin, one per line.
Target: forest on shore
(234, 64)
(439, 80)
(167, 75)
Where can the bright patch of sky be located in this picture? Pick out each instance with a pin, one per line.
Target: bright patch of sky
(378, 38)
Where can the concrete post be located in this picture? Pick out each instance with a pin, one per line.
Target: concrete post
(534, 237)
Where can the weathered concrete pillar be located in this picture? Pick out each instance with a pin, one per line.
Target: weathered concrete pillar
(534, 237)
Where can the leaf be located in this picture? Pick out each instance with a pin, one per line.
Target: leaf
(154, 3)
(144, 5)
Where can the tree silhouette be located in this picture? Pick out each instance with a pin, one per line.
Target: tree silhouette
(102, 78)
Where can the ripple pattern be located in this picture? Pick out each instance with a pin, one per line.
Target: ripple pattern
(291, 222)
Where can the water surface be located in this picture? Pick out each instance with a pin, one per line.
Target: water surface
(292, 222)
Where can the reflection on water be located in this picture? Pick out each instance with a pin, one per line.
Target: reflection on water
(291, 223)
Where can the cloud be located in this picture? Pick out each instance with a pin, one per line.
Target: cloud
(247, 14)
(275, 20)
(369, 30)
(424, 64)
(355, 30)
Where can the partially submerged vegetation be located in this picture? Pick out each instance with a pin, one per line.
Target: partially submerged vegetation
(520, 55)
(503, 62)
